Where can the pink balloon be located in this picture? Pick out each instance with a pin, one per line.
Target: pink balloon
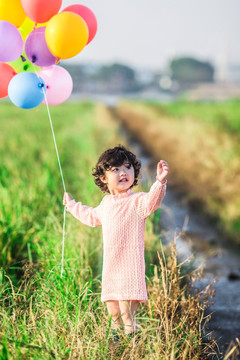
(88, 16)
(58, 82)
(11, 42)
(37, 50)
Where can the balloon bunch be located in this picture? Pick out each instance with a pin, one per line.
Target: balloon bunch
(34, 36)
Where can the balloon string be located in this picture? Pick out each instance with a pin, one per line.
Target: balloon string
(54, 139)
(60, 167)
(64, 187)
(63, 241)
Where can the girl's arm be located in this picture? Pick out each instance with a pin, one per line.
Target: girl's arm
(147, 203)
(87, 215)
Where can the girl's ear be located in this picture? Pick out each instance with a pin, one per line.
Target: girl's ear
(103, 179)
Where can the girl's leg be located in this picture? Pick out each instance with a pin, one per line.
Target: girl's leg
(115, 312)
(128, 310)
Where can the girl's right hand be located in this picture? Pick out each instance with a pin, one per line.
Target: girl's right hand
(162, 171)
(67, 198)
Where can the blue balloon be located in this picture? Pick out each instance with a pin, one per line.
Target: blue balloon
(27, 90)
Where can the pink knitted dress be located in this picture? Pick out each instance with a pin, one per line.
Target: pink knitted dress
(123, 219)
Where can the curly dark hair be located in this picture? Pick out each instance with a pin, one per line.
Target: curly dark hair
(114, 157)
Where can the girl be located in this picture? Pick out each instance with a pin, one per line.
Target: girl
(122, 215)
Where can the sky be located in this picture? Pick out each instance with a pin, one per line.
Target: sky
(147, 33)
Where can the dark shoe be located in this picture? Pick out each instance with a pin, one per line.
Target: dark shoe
(136, 335)
(115, 335)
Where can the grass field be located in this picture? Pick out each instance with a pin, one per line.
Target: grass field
(43, 316)
(201, 143)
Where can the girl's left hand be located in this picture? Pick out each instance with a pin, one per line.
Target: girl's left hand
(67, 198)
(162, 171)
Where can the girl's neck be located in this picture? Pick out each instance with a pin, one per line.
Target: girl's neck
(120, 193)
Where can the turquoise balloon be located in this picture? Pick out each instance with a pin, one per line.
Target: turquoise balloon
(27, 90)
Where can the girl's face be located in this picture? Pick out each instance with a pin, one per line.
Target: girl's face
(119, 178)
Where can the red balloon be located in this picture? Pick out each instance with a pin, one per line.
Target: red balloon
(88, 16)
(6, 74)
(41, 11)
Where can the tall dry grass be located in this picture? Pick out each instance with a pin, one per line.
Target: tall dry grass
(47, 317)
(204, 158)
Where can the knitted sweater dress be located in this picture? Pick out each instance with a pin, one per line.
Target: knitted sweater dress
(123, 219)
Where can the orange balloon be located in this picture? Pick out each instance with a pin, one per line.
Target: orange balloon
(6, 74)
(66, 35)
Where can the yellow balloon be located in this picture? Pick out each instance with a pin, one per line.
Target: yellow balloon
(28, 26)
(12, 11)
(66, 34)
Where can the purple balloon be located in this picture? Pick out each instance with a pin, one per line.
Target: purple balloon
(11, 42)
(37, 50)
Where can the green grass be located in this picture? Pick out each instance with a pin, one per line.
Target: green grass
(31, 217)
(30, 183)
(43, 316)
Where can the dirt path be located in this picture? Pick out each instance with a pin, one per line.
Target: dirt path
(199, 240)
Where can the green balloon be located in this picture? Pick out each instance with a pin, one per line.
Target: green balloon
(23, 64)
